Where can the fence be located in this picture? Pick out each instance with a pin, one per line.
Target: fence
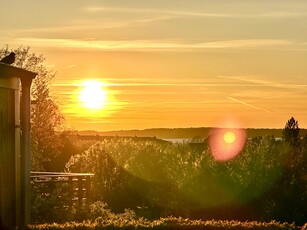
(78, 184)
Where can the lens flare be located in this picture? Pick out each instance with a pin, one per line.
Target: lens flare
(226, 143)
(229, 137)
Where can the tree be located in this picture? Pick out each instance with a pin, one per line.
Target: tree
(291, 132)
(46, 117)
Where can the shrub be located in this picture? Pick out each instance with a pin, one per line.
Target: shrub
(166, 223)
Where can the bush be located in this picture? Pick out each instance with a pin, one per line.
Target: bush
(266, 181)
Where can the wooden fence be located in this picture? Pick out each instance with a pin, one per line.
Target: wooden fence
(77, 184)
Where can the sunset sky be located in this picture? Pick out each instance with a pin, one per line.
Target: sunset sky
(170, 63)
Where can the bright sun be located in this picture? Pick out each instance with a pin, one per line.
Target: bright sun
(229, 137)
(92, 94)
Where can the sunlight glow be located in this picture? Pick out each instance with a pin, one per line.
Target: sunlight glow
(91, 102)
(92, 95)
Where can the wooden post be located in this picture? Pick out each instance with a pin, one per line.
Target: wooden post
(25, 163)
(17, 158)
(70, 188)
(88, 187)
(80, 187)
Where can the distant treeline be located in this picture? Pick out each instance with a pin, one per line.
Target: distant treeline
(166, 133)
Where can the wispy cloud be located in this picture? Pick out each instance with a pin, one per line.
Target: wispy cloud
(249, 105)
(200, 84)
(154, 11)
(249, 79)
(247, 43)
(272, 14)
(71, 66)
(78, 25)
(152, 45)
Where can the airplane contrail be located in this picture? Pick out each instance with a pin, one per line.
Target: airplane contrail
(249, 105)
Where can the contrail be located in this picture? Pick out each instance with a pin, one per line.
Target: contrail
(249, 105)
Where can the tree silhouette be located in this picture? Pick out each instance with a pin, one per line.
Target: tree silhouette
(46, 118)
(291, 132)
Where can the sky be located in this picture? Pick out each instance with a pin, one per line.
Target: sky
(169, 63)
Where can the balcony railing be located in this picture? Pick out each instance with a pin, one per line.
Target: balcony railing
(78, 185)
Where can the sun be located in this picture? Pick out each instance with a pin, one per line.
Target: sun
(93, 95)
(229, 137)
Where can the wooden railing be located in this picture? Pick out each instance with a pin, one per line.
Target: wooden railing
(78, 184)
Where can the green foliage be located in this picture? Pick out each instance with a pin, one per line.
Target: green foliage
(290, 204)
(42, 212)
(257, 167)
(156, 178)
(124, 169)
(64, 210)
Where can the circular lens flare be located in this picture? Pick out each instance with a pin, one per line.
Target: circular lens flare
(225, 144)
(229, 137)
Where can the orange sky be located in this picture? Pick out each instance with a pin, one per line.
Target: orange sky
(170, 63)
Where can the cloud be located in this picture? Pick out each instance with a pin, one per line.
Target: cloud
(247, 43)
(79, 25)
(71, 66)
(247, 104)
(150, 45)
(154, 11)
(266, 82)
(177, 13)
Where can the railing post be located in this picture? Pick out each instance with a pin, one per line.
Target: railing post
(88, 186)
(25, 156)
(70, 188)
(80, 183)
